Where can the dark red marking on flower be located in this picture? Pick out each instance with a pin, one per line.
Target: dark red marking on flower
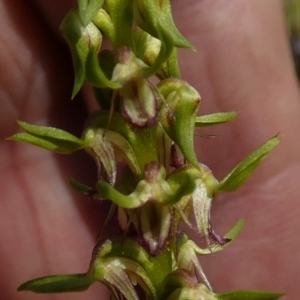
(217, 238)
(177, 159)
(151, 225)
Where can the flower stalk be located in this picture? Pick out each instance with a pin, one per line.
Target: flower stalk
(149, 128)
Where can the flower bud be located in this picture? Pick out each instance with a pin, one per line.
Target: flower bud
(148, 49)
(88, 10)
(178, 115)
(155, 17)
(80, 39)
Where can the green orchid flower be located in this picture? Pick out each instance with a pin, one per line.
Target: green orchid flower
(178, 114)
(155, 18)
(139, 99)
(149, 206)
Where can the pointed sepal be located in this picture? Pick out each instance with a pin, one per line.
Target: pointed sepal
(187, 259)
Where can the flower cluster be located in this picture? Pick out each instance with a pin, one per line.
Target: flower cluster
(147, 119)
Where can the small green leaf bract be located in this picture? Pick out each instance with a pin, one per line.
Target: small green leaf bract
(249, 295)
(50, 138)
(215, 119)
(58, 284)
(78, 186)
(245, 168)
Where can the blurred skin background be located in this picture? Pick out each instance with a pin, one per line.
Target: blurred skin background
(243, 62)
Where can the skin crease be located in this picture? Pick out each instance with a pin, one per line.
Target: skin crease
(242, 63)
